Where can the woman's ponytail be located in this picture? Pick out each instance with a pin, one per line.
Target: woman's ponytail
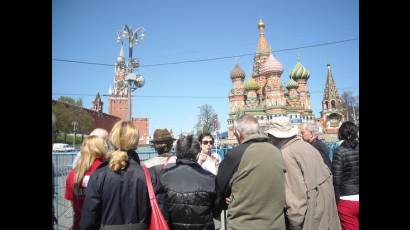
(118, 160)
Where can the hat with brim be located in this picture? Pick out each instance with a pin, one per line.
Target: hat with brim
(162, 135)
(282, 130)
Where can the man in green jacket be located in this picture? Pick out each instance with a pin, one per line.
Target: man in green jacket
(251, 179)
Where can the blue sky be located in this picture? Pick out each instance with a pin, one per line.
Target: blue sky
(185, 30)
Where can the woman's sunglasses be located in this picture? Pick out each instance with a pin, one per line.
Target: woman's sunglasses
(207, 142)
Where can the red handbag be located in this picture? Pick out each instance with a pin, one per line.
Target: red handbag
(158, 221)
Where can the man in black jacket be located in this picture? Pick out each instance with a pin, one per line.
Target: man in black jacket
(190, 189)
(309, 132)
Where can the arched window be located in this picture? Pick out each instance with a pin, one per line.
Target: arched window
(333, 104)
(326, 105)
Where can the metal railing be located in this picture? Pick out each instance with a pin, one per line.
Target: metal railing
(62, 165)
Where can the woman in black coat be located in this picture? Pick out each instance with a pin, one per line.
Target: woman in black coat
(345, 165)
(190, 189)
(116, 196)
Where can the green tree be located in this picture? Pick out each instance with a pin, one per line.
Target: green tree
(351, 106)
(86, 122)
(207, 119)
(79, 102)
(63, 116)
(66, 115)
(71, 100)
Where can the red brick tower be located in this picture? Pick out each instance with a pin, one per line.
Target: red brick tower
(118, 95)
(98, 104)
(118, 101)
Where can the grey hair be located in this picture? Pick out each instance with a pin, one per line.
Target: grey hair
(247, 125)
(313, 127)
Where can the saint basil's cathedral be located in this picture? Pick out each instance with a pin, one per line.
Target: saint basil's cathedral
(264, 97)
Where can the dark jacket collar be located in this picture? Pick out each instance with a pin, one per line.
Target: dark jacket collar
(133, 158)
(186, 161)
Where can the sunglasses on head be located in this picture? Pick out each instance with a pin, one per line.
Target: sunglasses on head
(208, 142)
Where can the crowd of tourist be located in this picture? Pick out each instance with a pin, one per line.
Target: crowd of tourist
(279, 178)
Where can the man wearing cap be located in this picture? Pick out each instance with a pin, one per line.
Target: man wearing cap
(310, 198)
(162, 142)
(251, 180)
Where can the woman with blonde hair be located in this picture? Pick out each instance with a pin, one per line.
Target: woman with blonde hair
(117, 196)
(93, 151)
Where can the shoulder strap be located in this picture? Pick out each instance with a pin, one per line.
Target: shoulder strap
(149, 183)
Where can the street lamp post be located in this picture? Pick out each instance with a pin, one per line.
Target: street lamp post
(74, 123)
(133, 81)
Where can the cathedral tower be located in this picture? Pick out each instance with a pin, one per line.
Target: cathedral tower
(300, 74)
(273, 70)
(252, 101)
(332, 110)
(263, 49)
(236, 97)
(293, 99)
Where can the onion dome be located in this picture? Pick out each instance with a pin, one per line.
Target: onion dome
(237, 72)
(261, 23)
(251, 85)
(292, 84)
(271, 65)
(299, 72)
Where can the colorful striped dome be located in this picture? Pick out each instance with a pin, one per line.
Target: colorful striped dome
(271, 65)
(299, 72)
(251, 85)
(292, 84)
(237, 72)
